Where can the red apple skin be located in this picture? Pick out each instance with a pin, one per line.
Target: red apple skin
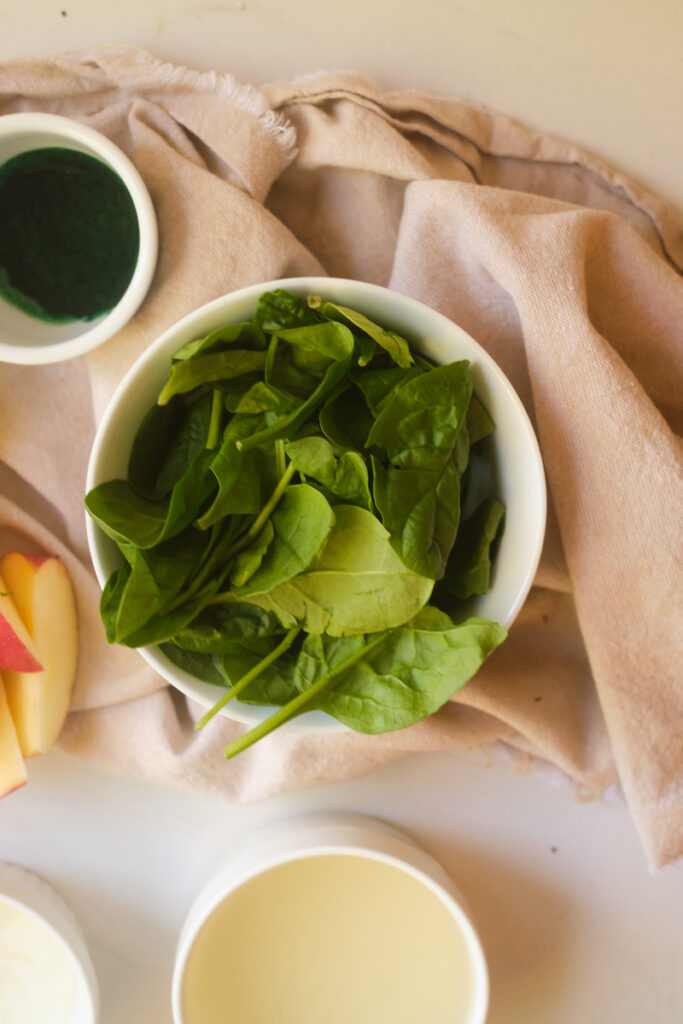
(44, 597)
(36, 560)
(17, 650)
(13, 654)
(13, 789)
(19, 785)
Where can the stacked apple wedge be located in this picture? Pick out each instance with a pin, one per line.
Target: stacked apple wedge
(38, 653)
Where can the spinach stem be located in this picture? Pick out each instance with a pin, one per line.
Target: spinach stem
(289, 423)
(214, 431)
(280, 458)
(249, 676)
(264, 514)
(214, 555)
(270, 359)
(226, 556)
(225, 597)
(297, 703)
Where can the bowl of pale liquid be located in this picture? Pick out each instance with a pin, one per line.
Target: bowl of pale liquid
(334, 919)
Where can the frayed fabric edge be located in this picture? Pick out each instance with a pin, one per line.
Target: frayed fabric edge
(222, 84)
(245, 96)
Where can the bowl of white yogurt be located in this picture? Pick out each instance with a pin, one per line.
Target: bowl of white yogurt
(45, 969)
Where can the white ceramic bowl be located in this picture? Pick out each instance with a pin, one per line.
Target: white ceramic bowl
(346, 835)
(43, 910)
(521, 482)
(26, 339)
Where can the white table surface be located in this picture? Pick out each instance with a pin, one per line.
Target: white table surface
(576, 929)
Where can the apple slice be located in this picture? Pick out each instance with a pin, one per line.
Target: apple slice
(12, 767)
(44, 598)
(16, 646)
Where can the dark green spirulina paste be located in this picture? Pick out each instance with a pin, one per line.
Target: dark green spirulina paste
(69, 235)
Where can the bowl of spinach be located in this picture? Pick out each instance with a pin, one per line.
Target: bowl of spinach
(315, 503)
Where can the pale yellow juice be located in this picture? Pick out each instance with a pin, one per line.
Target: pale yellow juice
(335, 939)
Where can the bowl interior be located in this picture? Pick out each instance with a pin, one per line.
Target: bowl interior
(27, 339)
(52, 951)
(520, 482)
(333, 910)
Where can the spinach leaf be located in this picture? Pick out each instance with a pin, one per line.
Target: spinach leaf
(165, 624)
(232, 540)
(479, 423)
(281, 372)
(156, 576)
(235, 390)
(247, 335)
(217, 562)
(391, 342)
(127, 517)
(279, 310)
(301, 522)
(148, 582)
(419, 424)
(421, 510)
(248, 561)
(377, 384)
(421, 428)
(219, 627)
(345, 419)
(272, 687)
(288, 424)
(111, 599)
(191, 373)
(326, 342)
(478, 482)
(356, 584)
(408, 676)
(168, 439)
(365, 349)
(273, 684)
(383, 681)
(272, 672)
(469, 567)
(346, 477)
(262, 397)
(206, 667)
(238, 477)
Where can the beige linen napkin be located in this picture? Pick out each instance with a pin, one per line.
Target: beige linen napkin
(564, 269)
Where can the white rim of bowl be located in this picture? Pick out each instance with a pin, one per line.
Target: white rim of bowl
(270, 861)
(236, 711)
(63, 129)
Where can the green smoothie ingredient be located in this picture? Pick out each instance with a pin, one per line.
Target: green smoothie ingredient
(300, 487)
(69, 235)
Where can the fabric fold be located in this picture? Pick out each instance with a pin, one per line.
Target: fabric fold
(563, 268)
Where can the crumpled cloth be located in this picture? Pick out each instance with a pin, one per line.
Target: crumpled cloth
(565, 270)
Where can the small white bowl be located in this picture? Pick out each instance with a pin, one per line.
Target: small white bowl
(31, 904)
(301, 845)
(26, 339)
(521, 481)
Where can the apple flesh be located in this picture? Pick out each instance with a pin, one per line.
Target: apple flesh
(17, 650)
(44, 598)
(12, 767)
